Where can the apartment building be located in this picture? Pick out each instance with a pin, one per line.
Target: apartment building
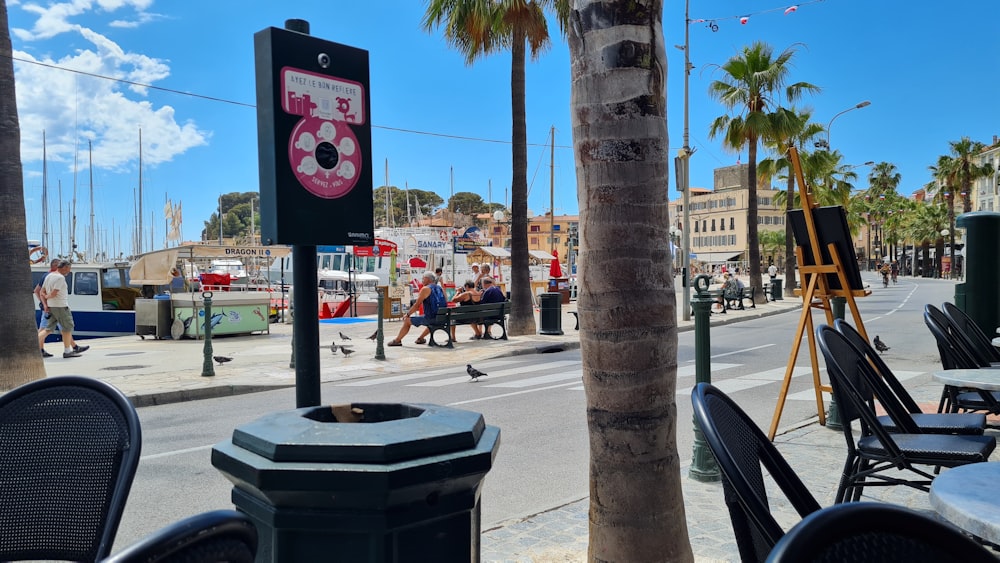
(719, 218)
(985, 190)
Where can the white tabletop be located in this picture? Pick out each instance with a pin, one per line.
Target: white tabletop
(987, 379)
(996, 342)
(966, 497)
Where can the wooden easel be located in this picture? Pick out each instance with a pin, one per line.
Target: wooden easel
(816, 294)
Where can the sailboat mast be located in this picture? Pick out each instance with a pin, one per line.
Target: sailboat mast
(552, 192)
(139, 238)
(387, 193)
(61, 239)
(72, 207)
(92, 243)
(45, 196)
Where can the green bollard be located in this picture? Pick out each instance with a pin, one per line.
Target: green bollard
(379, 349)
(208, 368)
(703, 465)
(837, 306)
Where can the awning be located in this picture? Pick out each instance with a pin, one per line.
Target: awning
(541, 255)
(487, 254)
(718, 257)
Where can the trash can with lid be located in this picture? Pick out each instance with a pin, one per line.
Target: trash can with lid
(362, 482)
(550, 313)
(776, 289)
(978, 296)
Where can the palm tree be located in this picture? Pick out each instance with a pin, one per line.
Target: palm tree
(19, 355)
(478, 28)
(883, 180)
(791, 128)
(943, 186)
(751, 80)
(966, 171)
(929, 220)
(629, 345)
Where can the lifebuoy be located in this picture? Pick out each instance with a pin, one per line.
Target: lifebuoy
(41, 257)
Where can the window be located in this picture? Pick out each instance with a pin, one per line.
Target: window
(85, 283)
(696, 226)
(556, 239)
(704, 225)
(732, 223)
(722, 224)
(556, 227)
(713, 224)
(534, 241)
(112, 278)
(535, 228)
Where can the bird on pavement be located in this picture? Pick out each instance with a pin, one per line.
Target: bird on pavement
(373, 336)
(474, 373)
(333, 346)
(347, 351)
(222, 359)
(344, 336)
(879, 345)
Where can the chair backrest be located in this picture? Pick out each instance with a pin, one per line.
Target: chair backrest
(900, 393)
(69, 448)
(741, 450)
(964, 323)
(954, 347)
(857, 532)
(220, 535)
(856, 386)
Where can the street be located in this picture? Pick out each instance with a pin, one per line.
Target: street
(538, 402)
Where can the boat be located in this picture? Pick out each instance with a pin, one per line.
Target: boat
(337, 290)
(100, 296)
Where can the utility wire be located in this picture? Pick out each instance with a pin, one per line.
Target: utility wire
(244, 104)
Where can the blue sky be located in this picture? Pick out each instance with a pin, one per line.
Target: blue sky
(928, 68)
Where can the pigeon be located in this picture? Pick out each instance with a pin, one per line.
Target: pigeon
(333, 346)
(474, 373)
(879, 345)
(373, 336)
(222, 359)
(344, 336)
(347, 351)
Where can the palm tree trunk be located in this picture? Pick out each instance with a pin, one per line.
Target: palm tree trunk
(19, 355)
(790, 261)
(753, 235)
(629, 344)
(522, 314)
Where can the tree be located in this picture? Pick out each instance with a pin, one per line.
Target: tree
(629, 345)
(750, 81)
(467, 203)
(478, 28)
(791, 128)
(965, 170)
(405, 205)
(19, 355)
(235, 216)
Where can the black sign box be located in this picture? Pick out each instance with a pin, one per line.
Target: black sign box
(314, 140)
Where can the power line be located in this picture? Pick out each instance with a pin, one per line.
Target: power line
(244, 104)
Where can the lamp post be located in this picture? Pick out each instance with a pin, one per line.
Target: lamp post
(684, 158)
(821, 144)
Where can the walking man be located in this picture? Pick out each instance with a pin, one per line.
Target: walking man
(56, 298)
(43, 306)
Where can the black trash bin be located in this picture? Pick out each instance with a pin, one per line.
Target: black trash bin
(978, 296)
(550, 313)
(776, 290)
(400, 484)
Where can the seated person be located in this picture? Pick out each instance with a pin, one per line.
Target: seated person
(431, 296)
(491, 294)
(468, 296)
(730, 290)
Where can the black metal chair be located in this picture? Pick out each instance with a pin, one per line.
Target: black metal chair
(69, 448)
(741, 450)
(855, 386)
(956, 352)
(870, 532)
(221, 535)
(900, 401)
(982, 345)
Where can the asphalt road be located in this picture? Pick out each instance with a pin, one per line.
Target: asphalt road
(537, 401)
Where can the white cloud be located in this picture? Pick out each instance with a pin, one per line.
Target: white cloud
(54, 19)
(72, 108)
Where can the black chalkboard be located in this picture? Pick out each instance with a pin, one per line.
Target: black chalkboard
(831, 226)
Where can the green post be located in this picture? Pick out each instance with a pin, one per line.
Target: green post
(837, 306)
(703, 465)
(379, 349)
(208, 368)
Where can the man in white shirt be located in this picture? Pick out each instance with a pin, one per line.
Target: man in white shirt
(56, 294)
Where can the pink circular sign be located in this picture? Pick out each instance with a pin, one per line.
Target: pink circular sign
(324, 156)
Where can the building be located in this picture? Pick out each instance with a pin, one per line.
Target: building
(985, 190)
(718, 219)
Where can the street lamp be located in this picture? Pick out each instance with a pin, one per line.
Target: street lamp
(821, 144)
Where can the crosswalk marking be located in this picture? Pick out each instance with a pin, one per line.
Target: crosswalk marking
(542, 379)
(687, 370)
(778, 374)
(731, 385)
(423, 374)
(497, 374)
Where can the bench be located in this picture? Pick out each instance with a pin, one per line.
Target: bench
(736, 302)
(487, 314)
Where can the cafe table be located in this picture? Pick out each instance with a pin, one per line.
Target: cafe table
(985, 379)
(966, 496)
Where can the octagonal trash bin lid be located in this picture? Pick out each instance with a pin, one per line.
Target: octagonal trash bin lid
(387, 433)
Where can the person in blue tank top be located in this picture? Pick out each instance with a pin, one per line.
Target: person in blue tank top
(431, 296)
